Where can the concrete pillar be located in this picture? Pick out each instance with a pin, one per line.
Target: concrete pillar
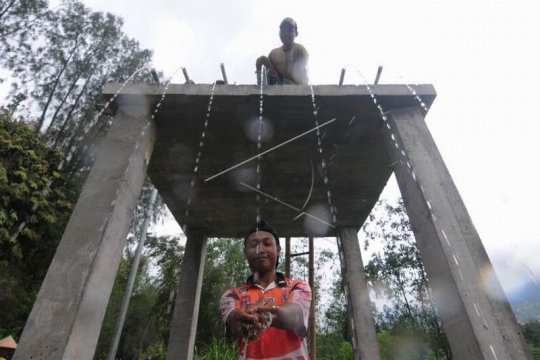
(364, 337)
(288, 257)
(65, 321)
(476, 315)
(186, 308)
(312, 321)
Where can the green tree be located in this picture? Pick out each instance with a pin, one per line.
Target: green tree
(20, 19)
(59, 67)
(35, 205)
(334, 332)
(531, 331)
(396, 272)
(225, 267)
(146, 328)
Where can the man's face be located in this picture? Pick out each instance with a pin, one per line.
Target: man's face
(261, 251)
(287, 34)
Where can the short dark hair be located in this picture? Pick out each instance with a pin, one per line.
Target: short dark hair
(262, 225)
(291, 22)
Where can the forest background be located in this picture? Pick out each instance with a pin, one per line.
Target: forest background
(56, 61)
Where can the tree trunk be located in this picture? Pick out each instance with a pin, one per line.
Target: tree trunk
(60, 133)
(402, 290)
(56, 82)
(4, 11)
(64, 99)
(86, 63)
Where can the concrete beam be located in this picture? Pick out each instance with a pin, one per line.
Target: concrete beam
(188, 296)
(475, 312)
(426, 91)
(65, 321)
(364, 337)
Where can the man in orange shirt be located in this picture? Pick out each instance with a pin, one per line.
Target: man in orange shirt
(286, 64)
(267, 315)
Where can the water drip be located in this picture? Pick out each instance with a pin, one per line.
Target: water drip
(259, 145)
(418, 98)
(199, 153)
(323, 162)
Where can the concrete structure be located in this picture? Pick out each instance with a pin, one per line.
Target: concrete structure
(479, 324)
(186, 307)
(204, 165)
(66, 318)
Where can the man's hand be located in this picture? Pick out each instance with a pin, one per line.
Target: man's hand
(287, 316)
(245, 322)
(263, 60)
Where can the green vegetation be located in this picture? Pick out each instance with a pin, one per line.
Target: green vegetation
(531, 331)
(58, 60)
(35, 204)
(217, 350)
(398, 274)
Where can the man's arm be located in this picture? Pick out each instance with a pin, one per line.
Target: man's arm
(294, 314)
(289, 316)
(301, 65)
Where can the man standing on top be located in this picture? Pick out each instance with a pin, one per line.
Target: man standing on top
(267, 315)
(286, 64)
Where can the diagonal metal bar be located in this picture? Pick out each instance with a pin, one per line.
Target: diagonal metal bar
(269, 150)
(285, 204)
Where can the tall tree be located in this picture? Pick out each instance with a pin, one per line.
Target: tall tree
(60, 66)
(18, 19)
(396, 272)
(225, 267)
(148, 319)
(35, 204)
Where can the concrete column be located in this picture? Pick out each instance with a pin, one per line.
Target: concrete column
(65, 321)
(475, 313)
(312, 323)
(288, 257)
(364, 337)
(186, 308)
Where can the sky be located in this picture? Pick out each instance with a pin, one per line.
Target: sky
(482, 57)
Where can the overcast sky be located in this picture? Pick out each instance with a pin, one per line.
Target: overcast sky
(483, 57)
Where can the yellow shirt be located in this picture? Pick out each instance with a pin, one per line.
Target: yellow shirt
(291, 64)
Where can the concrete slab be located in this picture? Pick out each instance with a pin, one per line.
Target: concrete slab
(356, 159)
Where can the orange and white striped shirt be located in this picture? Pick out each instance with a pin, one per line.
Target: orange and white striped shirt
(272, 343)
